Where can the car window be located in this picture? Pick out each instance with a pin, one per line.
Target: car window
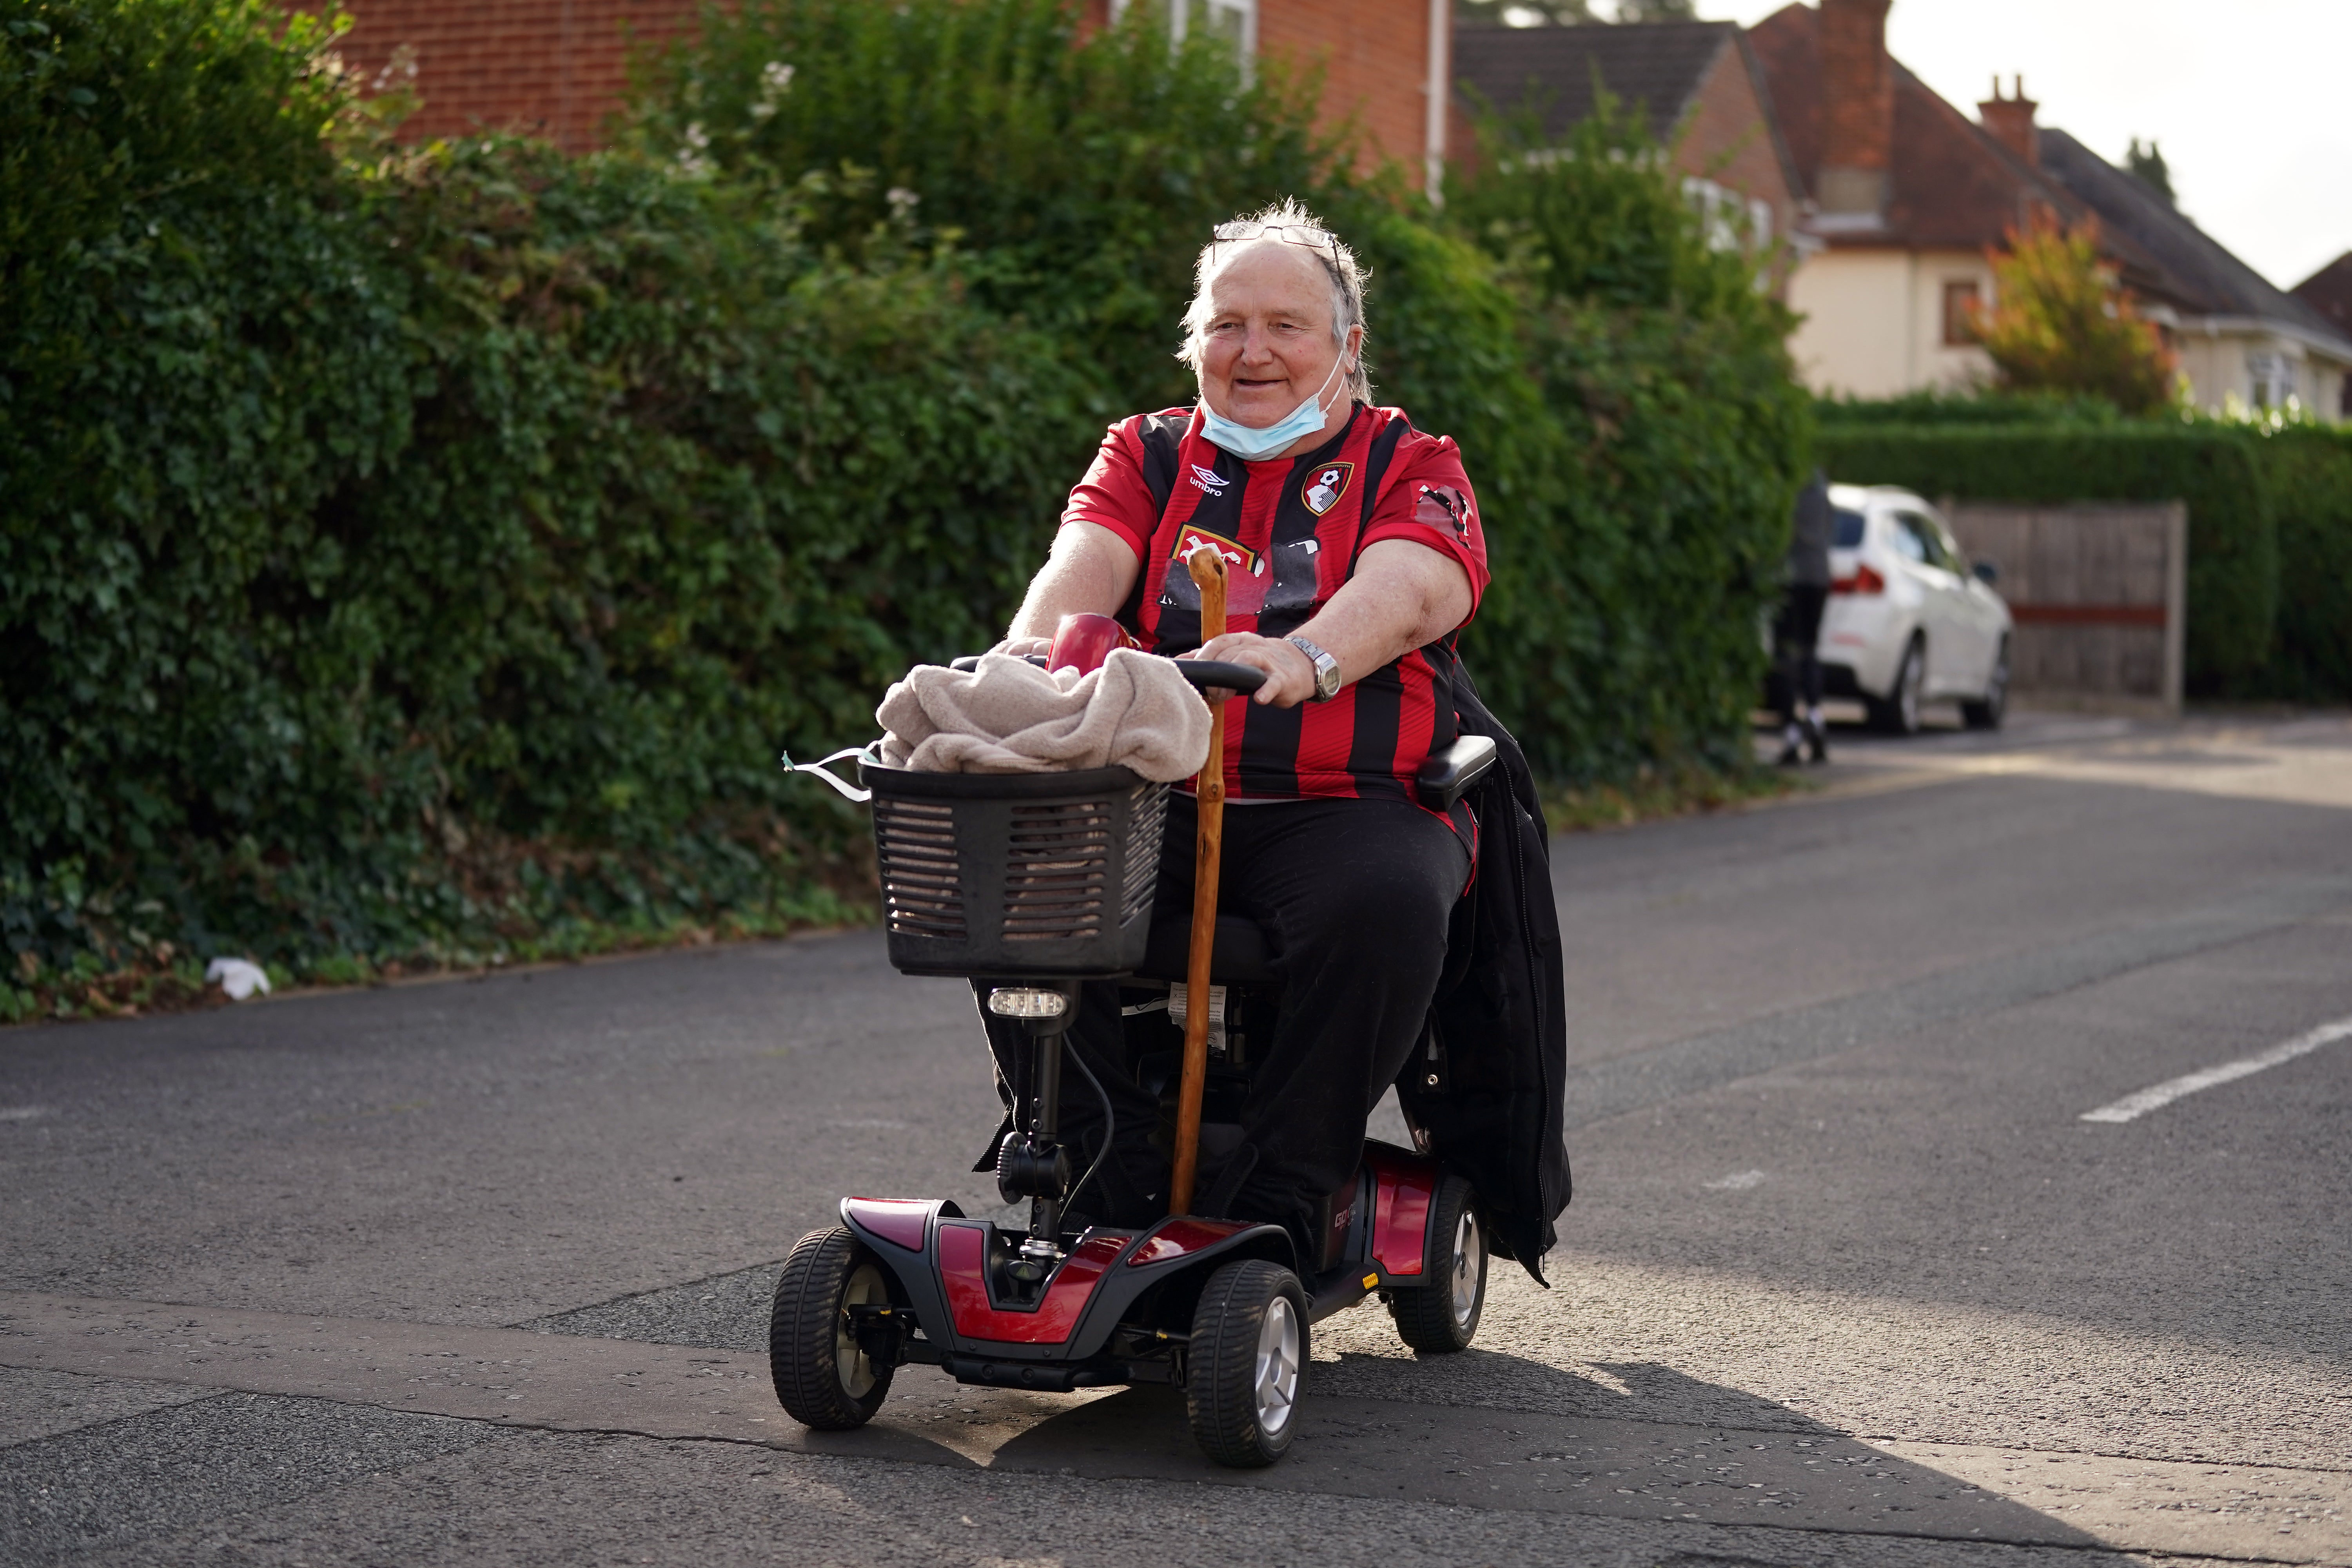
(1955, 557)
(1905, 538)
(1918, 537)
(1849, 530)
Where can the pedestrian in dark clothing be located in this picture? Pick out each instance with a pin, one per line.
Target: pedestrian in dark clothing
(1799, 625)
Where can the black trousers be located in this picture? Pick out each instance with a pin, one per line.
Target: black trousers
(1354, 897)
(1795, 633)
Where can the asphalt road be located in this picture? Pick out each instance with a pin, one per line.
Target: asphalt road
(474, 1271)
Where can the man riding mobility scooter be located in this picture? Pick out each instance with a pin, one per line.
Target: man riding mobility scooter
(1030, 884)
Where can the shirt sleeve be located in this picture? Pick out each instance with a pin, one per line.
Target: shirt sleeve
(1113, 492)
(1430, 501)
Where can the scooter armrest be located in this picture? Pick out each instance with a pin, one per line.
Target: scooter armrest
(1448, 774)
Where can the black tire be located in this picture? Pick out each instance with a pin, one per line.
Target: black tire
(1988, 712)
(822, 1379)
(1246, 1365)
(1443, 1316)
(1897, 712)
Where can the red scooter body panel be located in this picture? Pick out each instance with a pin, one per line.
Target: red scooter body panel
(1179, 1236)
(963, 1269)
(1403, 1188)
(899, 1220)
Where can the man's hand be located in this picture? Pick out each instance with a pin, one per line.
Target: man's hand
(1289, 673)
(1404, 595)
(1022, 647)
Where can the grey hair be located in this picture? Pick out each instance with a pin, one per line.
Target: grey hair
(1340, 266)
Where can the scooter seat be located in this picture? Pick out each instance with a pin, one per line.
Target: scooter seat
(1242, 955)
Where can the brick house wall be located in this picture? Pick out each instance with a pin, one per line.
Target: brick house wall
(1374, 55)
(558, 68)
(554, 68)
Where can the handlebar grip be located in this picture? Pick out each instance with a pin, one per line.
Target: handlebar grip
(1207, 672)
(1201, 672)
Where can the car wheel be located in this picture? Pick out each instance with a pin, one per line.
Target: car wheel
(1986, 713)
(1897, 712)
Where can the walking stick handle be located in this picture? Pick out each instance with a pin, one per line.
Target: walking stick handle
(1208, 570)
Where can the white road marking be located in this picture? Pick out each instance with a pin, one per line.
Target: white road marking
(1734, 1183)
(24, 1112)
(2132, 1106)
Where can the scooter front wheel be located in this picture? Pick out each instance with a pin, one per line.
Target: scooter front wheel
(1442, 1315)
(824, 1377)
(1245, 1362)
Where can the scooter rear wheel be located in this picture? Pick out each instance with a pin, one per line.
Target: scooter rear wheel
(1242, 1369)
(1442, 1315)
(823, 1377)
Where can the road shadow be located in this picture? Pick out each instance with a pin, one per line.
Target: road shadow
(1567, 1444)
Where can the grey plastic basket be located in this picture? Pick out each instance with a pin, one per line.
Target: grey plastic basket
(1016, 875)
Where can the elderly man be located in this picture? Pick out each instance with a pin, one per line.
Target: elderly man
(1354, 556)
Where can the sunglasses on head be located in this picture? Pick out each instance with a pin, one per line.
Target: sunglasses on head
(1320, 241)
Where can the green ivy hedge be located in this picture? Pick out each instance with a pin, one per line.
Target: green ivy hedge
(422, 553)
(2233, 535)
(2309, 471)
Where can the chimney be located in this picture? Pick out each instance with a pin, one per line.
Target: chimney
(2010, 122)
(1858, 122)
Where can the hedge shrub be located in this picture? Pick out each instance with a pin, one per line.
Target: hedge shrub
(2233, 539)
(425, 556)
(1661, 460)
(1077, 176)
(2309, 471)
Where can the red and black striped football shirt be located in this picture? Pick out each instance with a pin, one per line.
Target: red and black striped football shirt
(1291, 532)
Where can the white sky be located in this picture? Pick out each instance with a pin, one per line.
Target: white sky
(2250, 100)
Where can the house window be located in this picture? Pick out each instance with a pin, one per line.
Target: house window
(1731, 222)
(2270, 380)
(1961, 298)
(1234, 21)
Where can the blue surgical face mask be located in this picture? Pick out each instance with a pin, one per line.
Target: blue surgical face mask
(1255, 445)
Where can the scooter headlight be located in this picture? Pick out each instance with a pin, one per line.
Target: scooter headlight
(1011, 1002)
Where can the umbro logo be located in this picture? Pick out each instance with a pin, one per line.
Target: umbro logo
(1209, 479)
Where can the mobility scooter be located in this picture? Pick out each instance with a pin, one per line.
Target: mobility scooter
(1031, 884)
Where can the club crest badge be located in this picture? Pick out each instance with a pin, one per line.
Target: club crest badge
(1443, 506)
(1238, 558)
(1326, 485)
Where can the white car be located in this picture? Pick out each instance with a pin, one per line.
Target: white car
(1909, 621)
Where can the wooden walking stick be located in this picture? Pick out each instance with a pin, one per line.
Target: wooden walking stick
(1208, 569)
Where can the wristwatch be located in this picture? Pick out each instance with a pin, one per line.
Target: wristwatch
(1327, 668)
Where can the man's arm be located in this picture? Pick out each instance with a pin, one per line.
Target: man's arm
(1403, 596)
(1091, 569)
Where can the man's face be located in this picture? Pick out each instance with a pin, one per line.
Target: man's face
(1268, 346)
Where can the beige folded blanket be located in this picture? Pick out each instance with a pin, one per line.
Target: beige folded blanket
(1010, 717)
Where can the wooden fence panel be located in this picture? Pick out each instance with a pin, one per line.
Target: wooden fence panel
(2099, 592)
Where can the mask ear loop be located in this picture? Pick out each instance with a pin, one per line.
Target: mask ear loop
(865, 753)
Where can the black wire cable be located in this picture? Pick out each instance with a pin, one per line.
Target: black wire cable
(1111, 1124)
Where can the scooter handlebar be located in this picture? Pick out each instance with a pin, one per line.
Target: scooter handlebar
(1203, 673)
